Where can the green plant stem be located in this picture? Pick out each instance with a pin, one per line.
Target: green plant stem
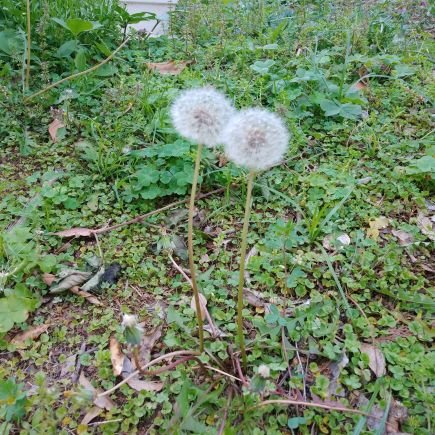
(251, 177)
(28, 46)
(190, 249)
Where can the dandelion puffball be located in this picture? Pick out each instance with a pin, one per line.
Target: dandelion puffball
(129, 321)
(200, 115)
(256, 139)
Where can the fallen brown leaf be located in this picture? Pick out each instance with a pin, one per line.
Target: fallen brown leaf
(167, 68)
(69, 278)
(53, 127)
(404, 238)
(48, 278)
(32, 333)
(75, 232)
(147, 344)
(88, 296)
(426, 226)
(101, 401)
(116, 356)
(397, 415)
(376, 359)
(94, 412)
(375, 225)
(140, 385)
(203, 303)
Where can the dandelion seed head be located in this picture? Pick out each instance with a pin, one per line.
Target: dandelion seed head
(200, 115)
(129, 321)
(264, 371)
(256, 139)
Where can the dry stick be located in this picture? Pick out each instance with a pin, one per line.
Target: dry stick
(93, 68)
(28, 46)
(203, 307)
(154, 212)
(190, 250)
(149, 364)
(309, 404)
(242, 268)
(79, 74)
(225, 416)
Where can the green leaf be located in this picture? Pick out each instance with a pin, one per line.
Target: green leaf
(80, 59)
(295, 422)
(107, 70)
(15, 307)
(423, 165)
(12, 400)
(262, 67)
(66, 49)
(331, 108)
(147, 176)
(11, 42)
(350, 111)
(293, 278)
(77, 25)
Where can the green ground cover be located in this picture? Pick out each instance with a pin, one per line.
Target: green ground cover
(339, 283)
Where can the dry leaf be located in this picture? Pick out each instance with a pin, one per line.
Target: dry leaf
(203, 303)
(116, 356)
(75, 232)
(32, 333)
(376, 359)
(140, 385)
(330, 241)
(48, 278)
(359, 86)
(147, 344)
(405, 238)
(376, 225)
(88, 296)
(101, 401)
(53, 127)
(252, 299)
(68, 366)
(344, 239)
(94, 412)
(397, 415)
(69, 278)
(167, 68)
(426, 226)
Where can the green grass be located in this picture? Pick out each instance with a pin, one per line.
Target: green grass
(356, 155)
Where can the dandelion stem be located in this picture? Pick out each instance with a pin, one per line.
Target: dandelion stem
(251, 177)
(190, 249)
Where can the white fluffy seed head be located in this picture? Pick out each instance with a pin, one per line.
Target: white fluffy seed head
(256, 139)
(129, 321)
(264, 371)
(200, 114)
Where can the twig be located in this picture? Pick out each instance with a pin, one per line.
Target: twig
(224, 417)
(309, 404)
(79, 74)
(149, 364)
(180, 270)
(204, 308)
(224, 373)
(100, 423)
(154, 212)
(303, 371)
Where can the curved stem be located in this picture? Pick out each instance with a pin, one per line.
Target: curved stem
(28, 46)
(190, 249)
(242, 268)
